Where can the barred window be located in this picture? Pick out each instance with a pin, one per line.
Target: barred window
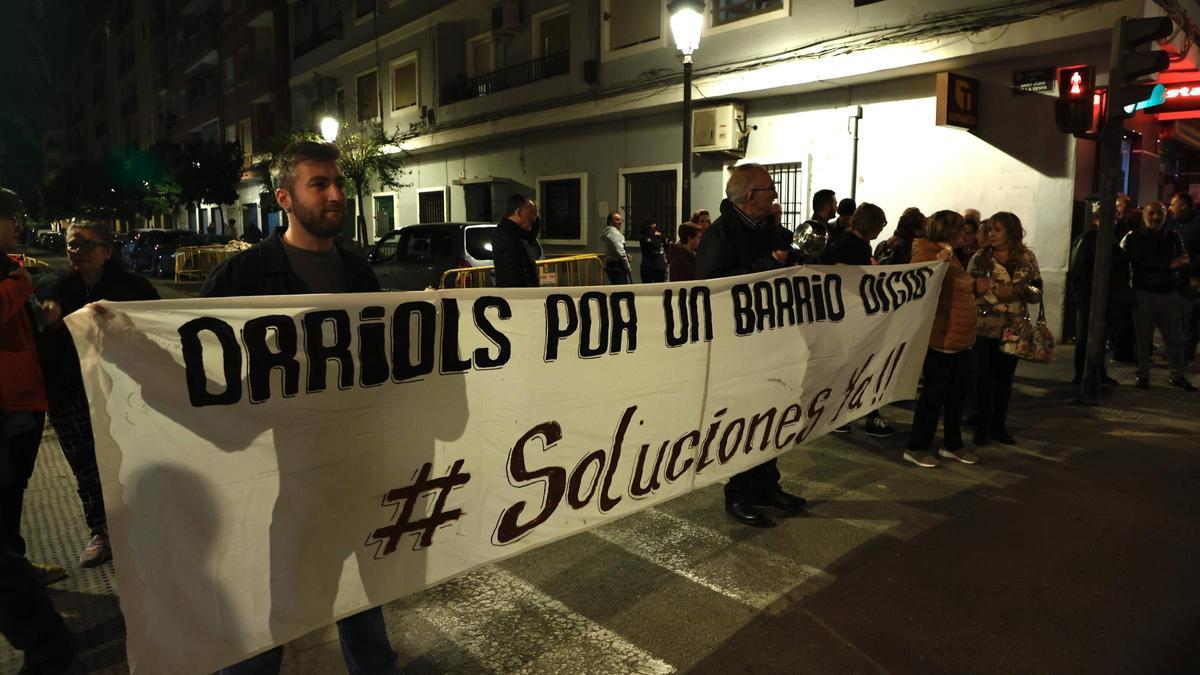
(561, 208)
(431, 206)
(729, 11)
(650, 196)
(787, 186)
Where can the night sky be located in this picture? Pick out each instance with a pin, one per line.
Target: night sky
(38, 38)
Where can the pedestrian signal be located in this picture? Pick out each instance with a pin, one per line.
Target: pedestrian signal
(1076, 83)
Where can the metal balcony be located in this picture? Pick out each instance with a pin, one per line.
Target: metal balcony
(508, 77)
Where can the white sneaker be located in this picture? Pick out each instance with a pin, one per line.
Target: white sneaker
(922, 459)
(962, 455)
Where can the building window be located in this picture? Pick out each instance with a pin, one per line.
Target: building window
(363, 8)
(552, 31)
(481, 55)
(651, 195)
(366, 88)
(787, 187)
(404, 84)
(632, 22)
(230, 77)
(431, 205)
(562, 202)
(725, 12)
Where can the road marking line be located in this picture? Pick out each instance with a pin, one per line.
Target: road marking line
(743, 572)
(478, 612)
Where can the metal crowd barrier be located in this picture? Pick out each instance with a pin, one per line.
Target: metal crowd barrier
(30, 263)
(193, 263)
(573, 270)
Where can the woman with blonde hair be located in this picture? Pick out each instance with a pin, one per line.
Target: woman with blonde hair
(946, 366)
(1007, 280)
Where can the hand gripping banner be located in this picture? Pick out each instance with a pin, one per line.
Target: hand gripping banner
(271, 464)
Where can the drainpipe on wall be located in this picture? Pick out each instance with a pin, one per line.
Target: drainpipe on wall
(853, 130)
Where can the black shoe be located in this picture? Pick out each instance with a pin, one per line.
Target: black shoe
(982, 438)
(1104, 379)
(1182, 383)
(783, 501)
(1077, 380)
(747, 514)
(1003, 437)
(1142, 382)
(972, 421)
(50, 659)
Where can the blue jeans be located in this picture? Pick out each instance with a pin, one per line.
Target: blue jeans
(365, 646)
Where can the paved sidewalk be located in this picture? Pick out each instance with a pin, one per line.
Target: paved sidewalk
(1073, 551)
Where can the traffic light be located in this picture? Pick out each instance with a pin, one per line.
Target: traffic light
(1073, 111)
(1131, 63)
(1076, 83)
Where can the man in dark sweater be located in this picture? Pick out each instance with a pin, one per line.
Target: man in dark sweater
(1156, 257)
(513, 255)
(743, 241)
(1079, 278)
(306, 258)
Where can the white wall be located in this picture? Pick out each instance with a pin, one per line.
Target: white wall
(1016, 161)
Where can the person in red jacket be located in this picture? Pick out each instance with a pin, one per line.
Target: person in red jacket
(27, 619)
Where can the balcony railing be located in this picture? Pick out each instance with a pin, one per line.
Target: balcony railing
(508, 77)
(319, 37)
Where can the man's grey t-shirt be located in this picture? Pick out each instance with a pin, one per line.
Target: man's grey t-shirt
(321, 271)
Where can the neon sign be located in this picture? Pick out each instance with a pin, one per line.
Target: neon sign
(1179, 97)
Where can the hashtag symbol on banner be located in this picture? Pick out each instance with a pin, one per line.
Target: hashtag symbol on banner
(406, 497)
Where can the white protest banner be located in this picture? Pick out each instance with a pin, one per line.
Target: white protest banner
(271, 464)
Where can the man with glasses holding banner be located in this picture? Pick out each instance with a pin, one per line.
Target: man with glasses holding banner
(743, 240)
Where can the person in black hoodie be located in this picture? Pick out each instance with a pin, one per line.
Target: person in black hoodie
(743, 240)
(1156, 257)
(853, 247)
(515, 248)
(94, 275)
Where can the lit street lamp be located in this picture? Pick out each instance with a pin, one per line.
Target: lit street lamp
(687, 18)
(329, 129)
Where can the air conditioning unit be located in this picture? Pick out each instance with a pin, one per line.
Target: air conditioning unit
(720, 129)
(506, 16)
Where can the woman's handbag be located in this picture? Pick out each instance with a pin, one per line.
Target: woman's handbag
(1028, 341)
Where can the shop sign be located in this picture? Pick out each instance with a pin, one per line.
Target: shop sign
(957, 101)
(1179, 97)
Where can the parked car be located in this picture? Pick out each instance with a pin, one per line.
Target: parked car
(413, 258)
(165, 252)
(146, 247)
(51, 241)
(130, 244)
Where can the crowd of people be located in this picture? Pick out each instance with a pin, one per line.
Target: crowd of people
(993, 278)
(1153, 284)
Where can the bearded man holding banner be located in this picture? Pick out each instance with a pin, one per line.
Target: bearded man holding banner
(306, 258)
(743, 241)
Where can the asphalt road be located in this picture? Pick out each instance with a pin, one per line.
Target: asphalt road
(1072, 552)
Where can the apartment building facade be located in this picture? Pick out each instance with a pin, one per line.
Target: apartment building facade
(578, 103)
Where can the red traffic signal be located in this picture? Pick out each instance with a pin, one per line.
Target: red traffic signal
(1076, 83)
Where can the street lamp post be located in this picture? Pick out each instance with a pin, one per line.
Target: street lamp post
(687, 18)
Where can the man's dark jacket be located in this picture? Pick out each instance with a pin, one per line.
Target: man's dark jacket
(514, 263)
(264, 270)
(734, 245)
(1150, 255)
